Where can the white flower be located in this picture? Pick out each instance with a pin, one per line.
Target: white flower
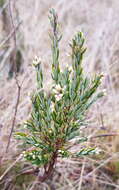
(36, 60)
(58, 88)
(97, 150)
(70, 69)
(60, 151)
(103, 74)
(104, 92)
(58, 97)
(54, 91)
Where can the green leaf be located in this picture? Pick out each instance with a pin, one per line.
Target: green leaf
(20, 135)
(87, 151)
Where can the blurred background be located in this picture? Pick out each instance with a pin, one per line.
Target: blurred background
(99, 21)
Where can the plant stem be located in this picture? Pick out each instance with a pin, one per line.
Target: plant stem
(47, 173)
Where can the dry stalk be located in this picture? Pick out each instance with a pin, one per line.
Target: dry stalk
(10, 35)
(81, 176)
(104, 135)
(102, 164)
(15, 70)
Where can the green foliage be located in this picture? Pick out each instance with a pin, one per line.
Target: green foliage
(56, 117)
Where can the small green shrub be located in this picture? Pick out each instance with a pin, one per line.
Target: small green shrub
(56, 117)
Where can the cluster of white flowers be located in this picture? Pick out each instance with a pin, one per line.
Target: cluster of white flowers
(36, 60)
(57, 90)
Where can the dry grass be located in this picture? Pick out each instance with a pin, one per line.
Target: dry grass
(99, 20)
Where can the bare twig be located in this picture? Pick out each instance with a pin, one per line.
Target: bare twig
(15, 70)
(15, 113)
(104, 135)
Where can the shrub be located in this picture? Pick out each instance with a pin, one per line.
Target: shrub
(56, 117)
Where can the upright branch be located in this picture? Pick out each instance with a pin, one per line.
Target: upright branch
(55, 37)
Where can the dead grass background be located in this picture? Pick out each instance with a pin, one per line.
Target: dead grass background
(99, 20)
